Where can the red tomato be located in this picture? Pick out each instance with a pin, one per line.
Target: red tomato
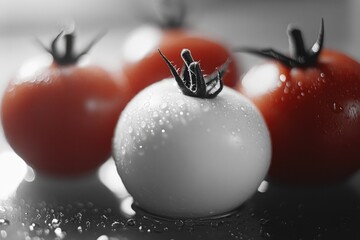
(60, 119)
(144, 66)
(311, 104)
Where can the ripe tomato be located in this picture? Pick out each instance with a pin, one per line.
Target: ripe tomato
(311, 104)
(141, 56)
(60, 117)
(191, 154)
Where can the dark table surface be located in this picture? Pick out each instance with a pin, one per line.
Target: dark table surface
(98, 207)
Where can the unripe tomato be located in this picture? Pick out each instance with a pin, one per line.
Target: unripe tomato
(194, 152)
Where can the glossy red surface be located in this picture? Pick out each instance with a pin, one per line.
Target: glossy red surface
(313, 115)
(61, 119)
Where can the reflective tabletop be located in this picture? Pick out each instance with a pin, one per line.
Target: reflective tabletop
(97, 206)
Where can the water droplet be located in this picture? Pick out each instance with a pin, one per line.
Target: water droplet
(34, 226)
(263, 186)
(189, 223)
(3, 234)
(130, 130)
(78, 216)
(4, 222)
(179, 223)
(55, 223)
(79, 228)
(337, 108)
(180, 103)
(286, 90)
(264, 221)
(163, 105)
(123, 150)
(2, 209)
(215, 224)
(282, 78)
(205, 107)
(116, 225)
(103, 237)
(88, 224)
(299, 83)
(146, 104)
(143, 124)
(60, 233)
(131, 222)
(155, 114)
(46, 231)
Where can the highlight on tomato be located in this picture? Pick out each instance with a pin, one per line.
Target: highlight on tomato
(311, 103)
(60, 116)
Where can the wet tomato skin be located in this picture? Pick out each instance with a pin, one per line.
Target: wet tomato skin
(171, 42)
(189, 147)
(313, 115)
(60, 120)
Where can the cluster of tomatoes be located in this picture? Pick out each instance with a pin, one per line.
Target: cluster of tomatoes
(302, 112)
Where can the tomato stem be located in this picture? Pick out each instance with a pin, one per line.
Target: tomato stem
(299, 56)
(69, 56)
(191, 80)
(171, 13)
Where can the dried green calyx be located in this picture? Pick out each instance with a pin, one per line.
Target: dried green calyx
(299, 56)
(69, 56)
(191, 80)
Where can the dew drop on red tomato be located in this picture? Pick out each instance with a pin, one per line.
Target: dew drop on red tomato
(337, 108)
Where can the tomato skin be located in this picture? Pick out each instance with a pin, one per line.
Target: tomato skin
(182, 156)
(60, 120)
(171, 42)
(313, 115)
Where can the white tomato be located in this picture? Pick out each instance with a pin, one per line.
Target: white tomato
(185, 156)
